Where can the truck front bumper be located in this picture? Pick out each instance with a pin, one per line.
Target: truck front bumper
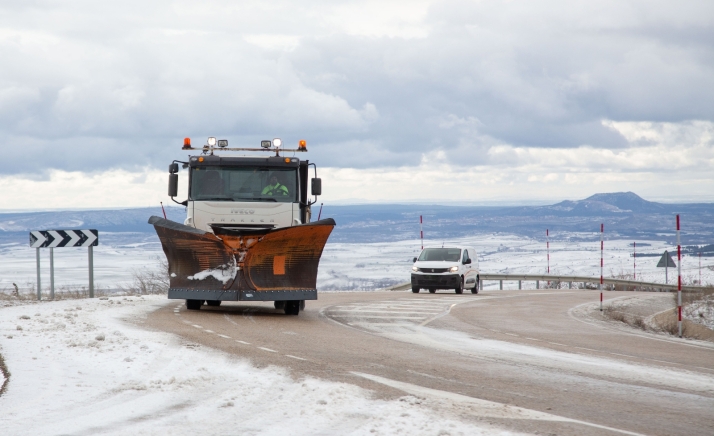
(243, 295)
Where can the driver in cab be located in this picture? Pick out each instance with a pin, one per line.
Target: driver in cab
(275, 188)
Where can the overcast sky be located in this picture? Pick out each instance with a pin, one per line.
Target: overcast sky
(450, 101)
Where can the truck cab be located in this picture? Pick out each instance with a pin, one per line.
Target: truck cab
(247, 192)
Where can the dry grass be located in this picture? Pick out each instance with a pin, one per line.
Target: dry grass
(6, 373)
(148, 280)
(619, 314)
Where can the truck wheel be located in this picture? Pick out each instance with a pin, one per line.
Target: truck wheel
(280, 305)
(194, 304)
(460, 289)
(415, 290)
(292, 307)
(475, 289)
(214, 303)
(432, 291)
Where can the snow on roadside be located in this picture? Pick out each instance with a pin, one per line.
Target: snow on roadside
(77, 368)
(700, 312)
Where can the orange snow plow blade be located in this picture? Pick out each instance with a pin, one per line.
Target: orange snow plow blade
(243, 264)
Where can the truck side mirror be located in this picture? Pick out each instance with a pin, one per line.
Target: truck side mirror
(173, 184)
(173, 168)
(316, 186)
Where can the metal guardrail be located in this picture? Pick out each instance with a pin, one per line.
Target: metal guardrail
(567, 279)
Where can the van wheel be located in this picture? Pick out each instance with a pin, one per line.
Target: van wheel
(432, 291)
(415, 290)
(460, 289)
(475, 289)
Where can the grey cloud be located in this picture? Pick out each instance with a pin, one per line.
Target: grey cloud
(91, 85)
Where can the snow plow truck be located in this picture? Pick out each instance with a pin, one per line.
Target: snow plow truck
(248, 233)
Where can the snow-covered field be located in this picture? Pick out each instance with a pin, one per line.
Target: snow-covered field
(78, 369)
(347, 266)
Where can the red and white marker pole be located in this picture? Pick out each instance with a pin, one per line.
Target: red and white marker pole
(421, 232)
(547, 248)
(679, 282)
(634, 260)
(602, 246)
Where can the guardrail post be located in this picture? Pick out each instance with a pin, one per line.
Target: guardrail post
(481, 284)
(519, 285)
(570, 285)
(500, 285)
(537, 284)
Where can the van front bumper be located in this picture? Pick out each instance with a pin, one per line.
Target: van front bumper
(436, 281)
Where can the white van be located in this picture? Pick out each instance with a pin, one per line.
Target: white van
(453, 267)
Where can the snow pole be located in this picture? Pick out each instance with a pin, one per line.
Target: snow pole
(547, 248)
(700, 269)
(634, 260)
(421, 231)
(679, 281)
(602, 245)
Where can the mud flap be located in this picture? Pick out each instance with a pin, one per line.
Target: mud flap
(235, 264)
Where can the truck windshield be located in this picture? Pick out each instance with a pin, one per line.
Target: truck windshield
(440, 254)
(211, 183)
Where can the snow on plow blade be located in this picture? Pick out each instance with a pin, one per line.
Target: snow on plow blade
(235, 263)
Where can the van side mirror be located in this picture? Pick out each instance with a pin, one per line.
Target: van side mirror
(467, 261)
(414, 260)
(316, 186)
(173, 184)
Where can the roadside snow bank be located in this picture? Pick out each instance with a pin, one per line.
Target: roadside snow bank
(701, 312)
(78, 369)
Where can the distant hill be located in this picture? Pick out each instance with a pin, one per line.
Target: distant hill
(625, 215)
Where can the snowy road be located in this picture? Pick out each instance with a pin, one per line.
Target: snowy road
(528, 361)
(360, 363)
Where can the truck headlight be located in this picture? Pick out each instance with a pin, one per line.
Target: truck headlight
(454, 269)
(415, 268)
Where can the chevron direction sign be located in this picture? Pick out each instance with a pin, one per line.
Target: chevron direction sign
(63, 238)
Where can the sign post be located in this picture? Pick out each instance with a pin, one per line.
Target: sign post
(665, 262)
(39, 278)
(63, 238)
(52, 273)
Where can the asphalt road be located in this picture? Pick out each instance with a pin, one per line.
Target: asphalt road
(535, 361)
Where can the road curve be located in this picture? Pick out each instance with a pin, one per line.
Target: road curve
(529, 361)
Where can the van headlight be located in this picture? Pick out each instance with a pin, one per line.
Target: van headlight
(454, 269)
(415, 268)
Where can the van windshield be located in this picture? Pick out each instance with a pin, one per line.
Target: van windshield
(440, 254)
(211, 183)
